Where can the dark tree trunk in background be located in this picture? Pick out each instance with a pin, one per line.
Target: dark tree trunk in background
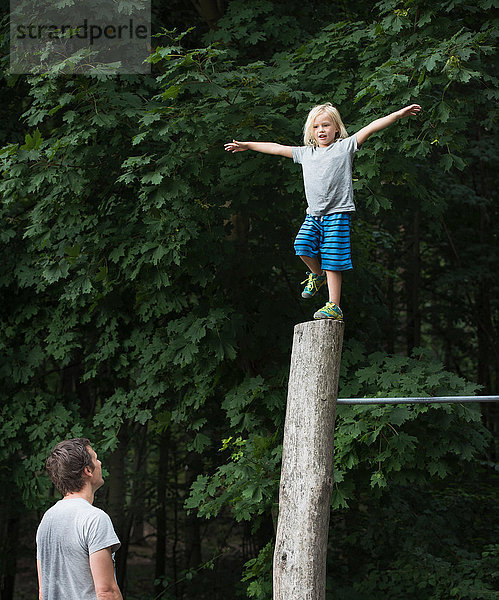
(193, 534)
(161, 489)
(488, 350)
(139, 483)
(177, 586)
(210, 10)
(9, 539)
(390, 299)
(117, 499)
(413, 282)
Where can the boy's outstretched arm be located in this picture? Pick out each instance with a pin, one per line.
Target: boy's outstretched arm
(265, 147)
(380, 124)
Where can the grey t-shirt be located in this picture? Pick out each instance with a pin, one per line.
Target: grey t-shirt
(68, 534)
(327, 174)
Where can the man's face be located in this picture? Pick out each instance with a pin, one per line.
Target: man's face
(96, 477)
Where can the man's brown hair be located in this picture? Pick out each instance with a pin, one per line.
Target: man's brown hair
(66, 464)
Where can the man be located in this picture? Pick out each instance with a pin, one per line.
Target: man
(75, 540)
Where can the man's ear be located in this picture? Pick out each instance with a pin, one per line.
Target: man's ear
(88, 471)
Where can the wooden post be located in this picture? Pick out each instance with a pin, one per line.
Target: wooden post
(307, 462)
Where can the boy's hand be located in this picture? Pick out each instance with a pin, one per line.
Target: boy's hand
(412, 109)
(379, 124)
(264, 147)
(236, 146)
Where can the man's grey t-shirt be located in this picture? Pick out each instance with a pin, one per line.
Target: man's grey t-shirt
(68, 534)
(327, 174)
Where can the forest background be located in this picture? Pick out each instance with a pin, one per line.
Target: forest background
(149, 292)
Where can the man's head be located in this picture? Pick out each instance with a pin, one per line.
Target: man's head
(71, 464)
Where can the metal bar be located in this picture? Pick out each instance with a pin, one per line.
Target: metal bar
(419, 400)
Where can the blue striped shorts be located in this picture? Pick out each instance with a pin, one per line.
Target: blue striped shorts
(327, 238)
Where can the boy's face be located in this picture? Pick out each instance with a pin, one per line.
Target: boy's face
(324, 130)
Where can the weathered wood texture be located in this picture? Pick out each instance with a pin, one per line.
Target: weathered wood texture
(307, 462)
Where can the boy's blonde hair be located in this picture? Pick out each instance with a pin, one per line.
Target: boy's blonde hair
(331, 111)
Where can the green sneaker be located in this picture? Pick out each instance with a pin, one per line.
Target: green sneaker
(330, 311)
(314, 282)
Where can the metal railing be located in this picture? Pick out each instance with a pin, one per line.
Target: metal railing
(418, 400)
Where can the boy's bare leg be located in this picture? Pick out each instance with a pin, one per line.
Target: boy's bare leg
(334, 285)
(313, 264)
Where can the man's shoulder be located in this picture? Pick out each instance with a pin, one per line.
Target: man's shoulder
(89, 511)
(55, 510)
(74, 506)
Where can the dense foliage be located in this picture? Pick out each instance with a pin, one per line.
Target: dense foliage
(149, 291)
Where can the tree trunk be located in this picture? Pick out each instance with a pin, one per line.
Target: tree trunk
(307, 462)
(413, 287)
(161, 488)
(117, 505)
(139, 484)
(210, 10)
(9, 535)
(176, 587)
(192, 521)
(390, 300)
